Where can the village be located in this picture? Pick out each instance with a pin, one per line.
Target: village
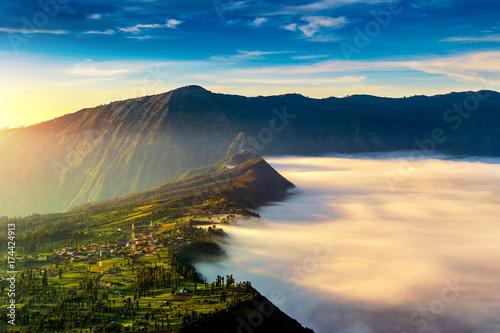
(136, 242)
(139, 267)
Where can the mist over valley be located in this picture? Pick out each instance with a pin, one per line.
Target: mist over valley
(347, 253)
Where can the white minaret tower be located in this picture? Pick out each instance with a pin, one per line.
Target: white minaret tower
(132, 242)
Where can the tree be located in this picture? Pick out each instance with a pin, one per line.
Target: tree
(60, 272)
(44, 278)
(222, 297)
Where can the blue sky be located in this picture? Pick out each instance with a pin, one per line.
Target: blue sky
(69, 54)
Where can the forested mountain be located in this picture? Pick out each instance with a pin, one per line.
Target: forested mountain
(131, 145)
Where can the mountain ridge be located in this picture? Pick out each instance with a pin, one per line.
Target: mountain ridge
(194, 88)
(126, 146)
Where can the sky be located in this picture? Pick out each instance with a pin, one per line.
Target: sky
(59, 56)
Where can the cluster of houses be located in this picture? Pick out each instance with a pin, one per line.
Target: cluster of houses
(145, 243)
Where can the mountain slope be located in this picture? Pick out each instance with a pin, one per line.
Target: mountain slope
(241, 318)
(242, 180)
(108, 151)
(126, 146)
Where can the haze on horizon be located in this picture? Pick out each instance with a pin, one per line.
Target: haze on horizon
(74, 54)
(419, 257)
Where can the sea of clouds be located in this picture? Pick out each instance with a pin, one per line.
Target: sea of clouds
(355, 250)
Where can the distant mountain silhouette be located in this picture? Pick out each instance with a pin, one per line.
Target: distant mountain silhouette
(131, 145)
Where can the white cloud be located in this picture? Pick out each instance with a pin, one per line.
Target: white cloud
(150, 26)
(324, 38)
(291, 27)
(488, 38)
(170, 23)
(468, 67)
(35, 31)
(307, 57)
(317, 23)
(134, 29)
(225, 6)
(95, 17)
(231, 22)
(94, 32)
(96, 70)
(258, 21)
(173, 23)
(322, 5)
(139, 37)
(245, 55)
(349, 79)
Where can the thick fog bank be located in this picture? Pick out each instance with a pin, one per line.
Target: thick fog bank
(377, 245)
